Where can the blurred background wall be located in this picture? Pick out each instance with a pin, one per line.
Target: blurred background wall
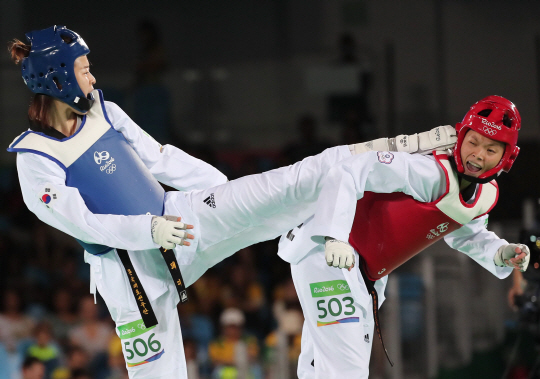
(230, 81)
(250, 61)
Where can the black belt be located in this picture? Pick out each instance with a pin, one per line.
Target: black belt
(371, 289)
(174, 270)
(145, 308)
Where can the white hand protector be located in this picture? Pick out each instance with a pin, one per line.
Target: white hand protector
(338, 253)
(168, 231)
(439, 138)
(513, 255)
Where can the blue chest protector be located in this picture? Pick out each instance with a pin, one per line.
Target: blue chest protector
(121, 185)
(102, 165)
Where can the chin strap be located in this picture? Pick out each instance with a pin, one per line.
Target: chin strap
(84, 104)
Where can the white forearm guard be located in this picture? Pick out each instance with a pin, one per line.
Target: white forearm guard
(380, 144)
(439, 138)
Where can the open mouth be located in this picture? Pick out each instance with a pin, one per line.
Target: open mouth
(473, 167)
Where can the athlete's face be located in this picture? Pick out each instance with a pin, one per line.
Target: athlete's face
(480, 154)
(85, 79)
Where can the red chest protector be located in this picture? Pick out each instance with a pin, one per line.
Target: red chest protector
(389, 229)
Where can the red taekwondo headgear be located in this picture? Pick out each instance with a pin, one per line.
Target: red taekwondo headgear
(498, 119)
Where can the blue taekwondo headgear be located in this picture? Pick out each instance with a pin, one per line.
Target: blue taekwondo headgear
(51, 62)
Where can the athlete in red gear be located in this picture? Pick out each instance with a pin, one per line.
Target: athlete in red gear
(401, 204)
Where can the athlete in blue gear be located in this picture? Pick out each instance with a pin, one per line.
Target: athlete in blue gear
(88, 170)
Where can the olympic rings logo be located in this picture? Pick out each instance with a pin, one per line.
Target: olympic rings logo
(110, 169)
(101, 156)
(343, 287)
(490, 131)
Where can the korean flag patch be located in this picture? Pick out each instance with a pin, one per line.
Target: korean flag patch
(48, 195)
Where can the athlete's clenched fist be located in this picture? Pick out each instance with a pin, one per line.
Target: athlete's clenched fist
(338, 253)
(515, 255)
